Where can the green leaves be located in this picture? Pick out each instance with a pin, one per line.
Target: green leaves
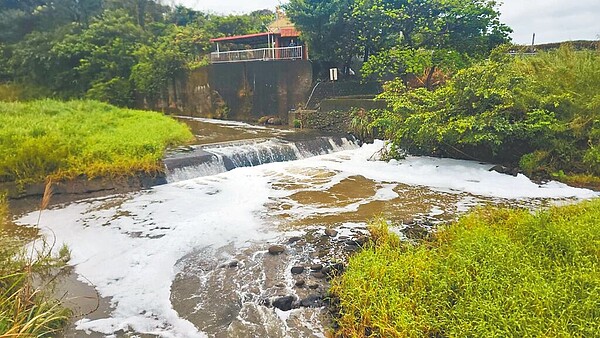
(107, 49)
(328, 27)
(399, 37)
(495, 272)
(501, 110)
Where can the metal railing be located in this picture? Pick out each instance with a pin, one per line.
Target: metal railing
(282, 53)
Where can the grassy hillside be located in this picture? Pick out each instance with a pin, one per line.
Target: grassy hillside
(67, 139)
(495, 273)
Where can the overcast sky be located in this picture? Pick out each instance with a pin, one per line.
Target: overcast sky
(550, 20)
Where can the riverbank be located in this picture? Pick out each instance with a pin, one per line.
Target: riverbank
(495, 272)
(177, 243)
(27, 310)
(63, 140)
(81, 147)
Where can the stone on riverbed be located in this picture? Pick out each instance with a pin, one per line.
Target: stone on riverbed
(284, 303)
(312, 300)
(331, 232)
(294, 239)
(316, 267)
(297, 270)
(276, 249)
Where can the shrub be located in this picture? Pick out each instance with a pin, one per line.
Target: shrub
(496, 272)
(503, 109)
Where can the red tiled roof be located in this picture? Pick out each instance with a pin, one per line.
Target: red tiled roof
(241, 37)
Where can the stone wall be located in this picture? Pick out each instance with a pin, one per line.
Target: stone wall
(334, 115)
(337, 122)
(348, 104)
(327, 90)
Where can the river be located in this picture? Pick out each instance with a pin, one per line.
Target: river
(190, 258)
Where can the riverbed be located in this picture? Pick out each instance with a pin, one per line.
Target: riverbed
(190, 258)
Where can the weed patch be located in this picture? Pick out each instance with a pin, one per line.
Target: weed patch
(25, 311)
(67, 139)
(496, 272)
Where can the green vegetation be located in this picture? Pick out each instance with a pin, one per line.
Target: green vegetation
(25, 311)
(539, 112)
(495, 273)
(67, 139)
(398, 38)
(114, 51)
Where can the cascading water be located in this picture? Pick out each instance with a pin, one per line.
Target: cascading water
(212, 159)
(191, 258)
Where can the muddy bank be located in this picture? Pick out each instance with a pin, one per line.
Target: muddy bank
(25, 198)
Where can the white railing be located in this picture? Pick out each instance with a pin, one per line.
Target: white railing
(282, 53)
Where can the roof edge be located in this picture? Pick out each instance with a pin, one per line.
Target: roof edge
(238, 37)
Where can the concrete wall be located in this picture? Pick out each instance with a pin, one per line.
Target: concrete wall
(242, 91)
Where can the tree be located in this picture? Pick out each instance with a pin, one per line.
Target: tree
(167, 59)
(231, 25)
(104, 52)
(328, 28)
(453, 31)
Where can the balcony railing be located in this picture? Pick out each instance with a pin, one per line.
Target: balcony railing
(282, 53)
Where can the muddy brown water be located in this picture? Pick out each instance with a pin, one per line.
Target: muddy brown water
(226, 290)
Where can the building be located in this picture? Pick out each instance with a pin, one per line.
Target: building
(281, 41)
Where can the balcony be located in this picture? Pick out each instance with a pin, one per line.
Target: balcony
(264, 54)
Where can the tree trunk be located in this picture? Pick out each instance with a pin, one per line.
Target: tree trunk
(429, 77)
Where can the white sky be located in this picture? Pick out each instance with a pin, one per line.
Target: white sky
(550, 20)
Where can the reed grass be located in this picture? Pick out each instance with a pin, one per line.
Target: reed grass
(67, 139)
(25, 310)
(494, 273)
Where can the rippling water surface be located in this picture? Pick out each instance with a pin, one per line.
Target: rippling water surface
(162, 258)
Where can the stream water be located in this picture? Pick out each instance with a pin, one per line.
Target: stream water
(190, 258)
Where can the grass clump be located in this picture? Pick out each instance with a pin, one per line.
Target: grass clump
(67, 139)
(494, 273)
(25, 311)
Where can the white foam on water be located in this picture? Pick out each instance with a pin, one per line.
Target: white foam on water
(128, 246)
(200, 170)
(451, 175)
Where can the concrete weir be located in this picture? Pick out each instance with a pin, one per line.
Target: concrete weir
(211, 159)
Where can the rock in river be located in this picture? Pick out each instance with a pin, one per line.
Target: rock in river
(276, 249)
(297, 270)
(331, 232)
(284, 303)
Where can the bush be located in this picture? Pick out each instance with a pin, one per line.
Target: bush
(503, 109)
(496, 272)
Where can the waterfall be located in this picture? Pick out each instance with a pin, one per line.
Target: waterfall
(212, 159)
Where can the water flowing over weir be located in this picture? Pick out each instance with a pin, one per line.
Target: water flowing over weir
(191, 258)
(212, 159)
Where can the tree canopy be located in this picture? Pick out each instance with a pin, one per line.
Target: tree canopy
(393, 36)
(108, 50)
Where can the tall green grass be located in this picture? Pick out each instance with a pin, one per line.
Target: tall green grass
(25, 311)
(66, 139)
(495, 273)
